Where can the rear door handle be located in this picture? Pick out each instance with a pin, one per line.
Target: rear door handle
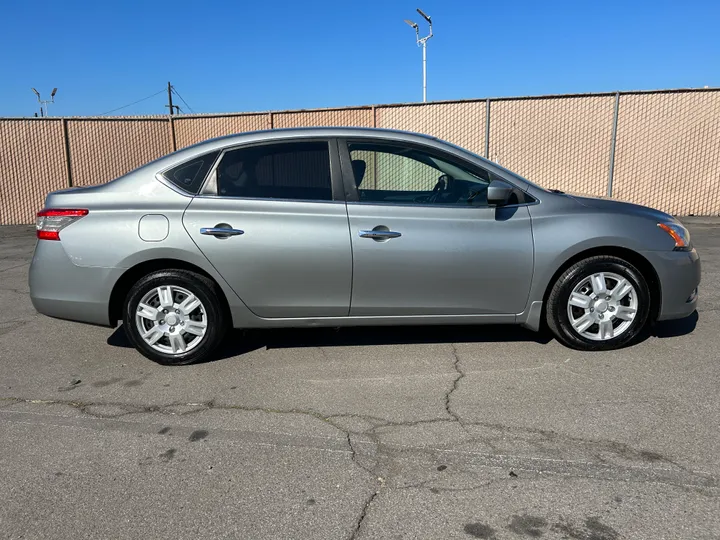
(220, 232)
(379, 235)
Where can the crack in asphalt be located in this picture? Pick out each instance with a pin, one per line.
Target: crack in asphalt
(14, 267)
(439, 489)
(354, 455)
(456, 381)
(11, 325)
(372, 462)
(15, 290)
(599, 450)
(378, 463)
(366, 510)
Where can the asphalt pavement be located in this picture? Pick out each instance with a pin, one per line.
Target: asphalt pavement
(453, 432)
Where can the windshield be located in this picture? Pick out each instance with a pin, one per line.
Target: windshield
(508, 171)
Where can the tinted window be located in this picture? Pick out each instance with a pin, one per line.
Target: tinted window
(296, 170)
(385, 173)
(189, 176)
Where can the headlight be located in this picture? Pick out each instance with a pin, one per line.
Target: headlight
(678, 233)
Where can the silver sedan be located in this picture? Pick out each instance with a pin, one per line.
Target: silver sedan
(347, 227)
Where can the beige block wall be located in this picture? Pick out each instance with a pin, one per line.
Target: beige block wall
(32, 164)
(668, 152)
(189, 130)
(667, 149)
(328, 118)
(561, 143)
(101, 150)
(459, 123)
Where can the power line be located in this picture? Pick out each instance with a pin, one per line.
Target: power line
(181, 99)
(134, 102)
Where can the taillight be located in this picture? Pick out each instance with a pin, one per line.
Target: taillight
(51, 221)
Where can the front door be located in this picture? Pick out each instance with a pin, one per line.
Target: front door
(424, 240)
(269, 224)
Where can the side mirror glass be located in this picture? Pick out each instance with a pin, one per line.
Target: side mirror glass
(498, 193)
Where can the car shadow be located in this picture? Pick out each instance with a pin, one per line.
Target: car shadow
(239, 342)
(678, 327)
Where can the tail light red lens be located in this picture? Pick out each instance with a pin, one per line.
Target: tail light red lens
(51, 221)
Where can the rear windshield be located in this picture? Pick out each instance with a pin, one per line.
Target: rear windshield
(189, 176)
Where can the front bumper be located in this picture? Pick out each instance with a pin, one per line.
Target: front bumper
(679, 274)
(61, 289)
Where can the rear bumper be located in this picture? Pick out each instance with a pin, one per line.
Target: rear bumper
(679, 274)
(59, 288)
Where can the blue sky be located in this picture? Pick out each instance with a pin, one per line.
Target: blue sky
(248, 55)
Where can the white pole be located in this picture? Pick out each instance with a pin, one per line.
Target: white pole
(423, 42)
(424, 72)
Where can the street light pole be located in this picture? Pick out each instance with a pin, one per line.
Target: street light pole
(422, 42)
(45, 101)
(424, 46)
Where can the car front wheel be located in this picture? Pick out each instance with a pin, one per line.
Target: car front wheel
(599, 303)
(174, 317)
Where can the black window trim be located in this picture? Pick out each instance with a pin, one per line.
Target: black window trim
(351, 191)
(162, 174)
(336, 184)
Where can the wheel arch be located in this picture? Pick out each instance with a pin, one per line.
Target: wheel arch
(633, 257)
(133, 274)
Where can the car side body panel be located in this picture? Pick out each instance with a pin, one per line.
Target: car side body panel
(448, 261)
(562, 230)
(74, 278)
(292, 260)
(81, 270)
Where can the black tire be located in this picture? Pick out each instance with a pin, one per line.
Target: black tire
(557, 305)
(204, 289)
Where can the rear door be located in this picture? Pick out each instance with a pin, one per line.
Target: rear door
(272, 221)
(425, 241)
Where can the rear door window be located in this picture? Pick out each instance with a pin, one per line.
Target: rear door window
(291, 170)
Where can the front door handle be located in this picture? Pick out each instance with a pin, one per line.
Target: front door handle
(379, 235)
(221, 232)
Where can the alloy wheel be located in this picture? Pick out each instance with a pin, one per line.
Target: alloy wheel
(171, 319)
(602, 306)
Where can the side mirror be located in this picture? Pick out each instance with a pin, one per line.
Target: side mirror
(498, 193)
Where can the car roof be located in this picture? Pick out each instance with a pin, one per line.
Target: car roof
(269, 135)
(249, 137)
(188, 153)
(309, 132)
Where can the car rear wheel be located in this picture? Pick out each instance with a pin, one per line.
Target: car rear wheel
(599, 303)
(174, 317)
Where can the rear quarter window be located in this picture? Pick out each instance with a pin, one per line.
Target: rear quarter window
(189, 176)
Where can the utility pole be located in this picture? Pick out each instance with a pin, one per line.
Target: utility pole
(422, 42)
(172, 107)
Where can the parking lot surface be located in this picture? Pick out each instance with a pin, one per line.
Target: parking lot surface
(456, 432)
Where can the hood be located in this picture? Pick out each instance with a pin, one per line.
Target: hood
(614, 205)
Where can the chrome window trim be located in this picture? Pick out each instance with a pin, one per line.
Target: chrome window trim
(268, 199)
(426, 205)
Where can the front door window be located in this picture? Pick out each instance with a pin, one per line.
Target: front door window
(390, 174)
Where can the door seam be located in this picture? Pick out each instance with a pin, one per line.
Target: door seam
(352, 260)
